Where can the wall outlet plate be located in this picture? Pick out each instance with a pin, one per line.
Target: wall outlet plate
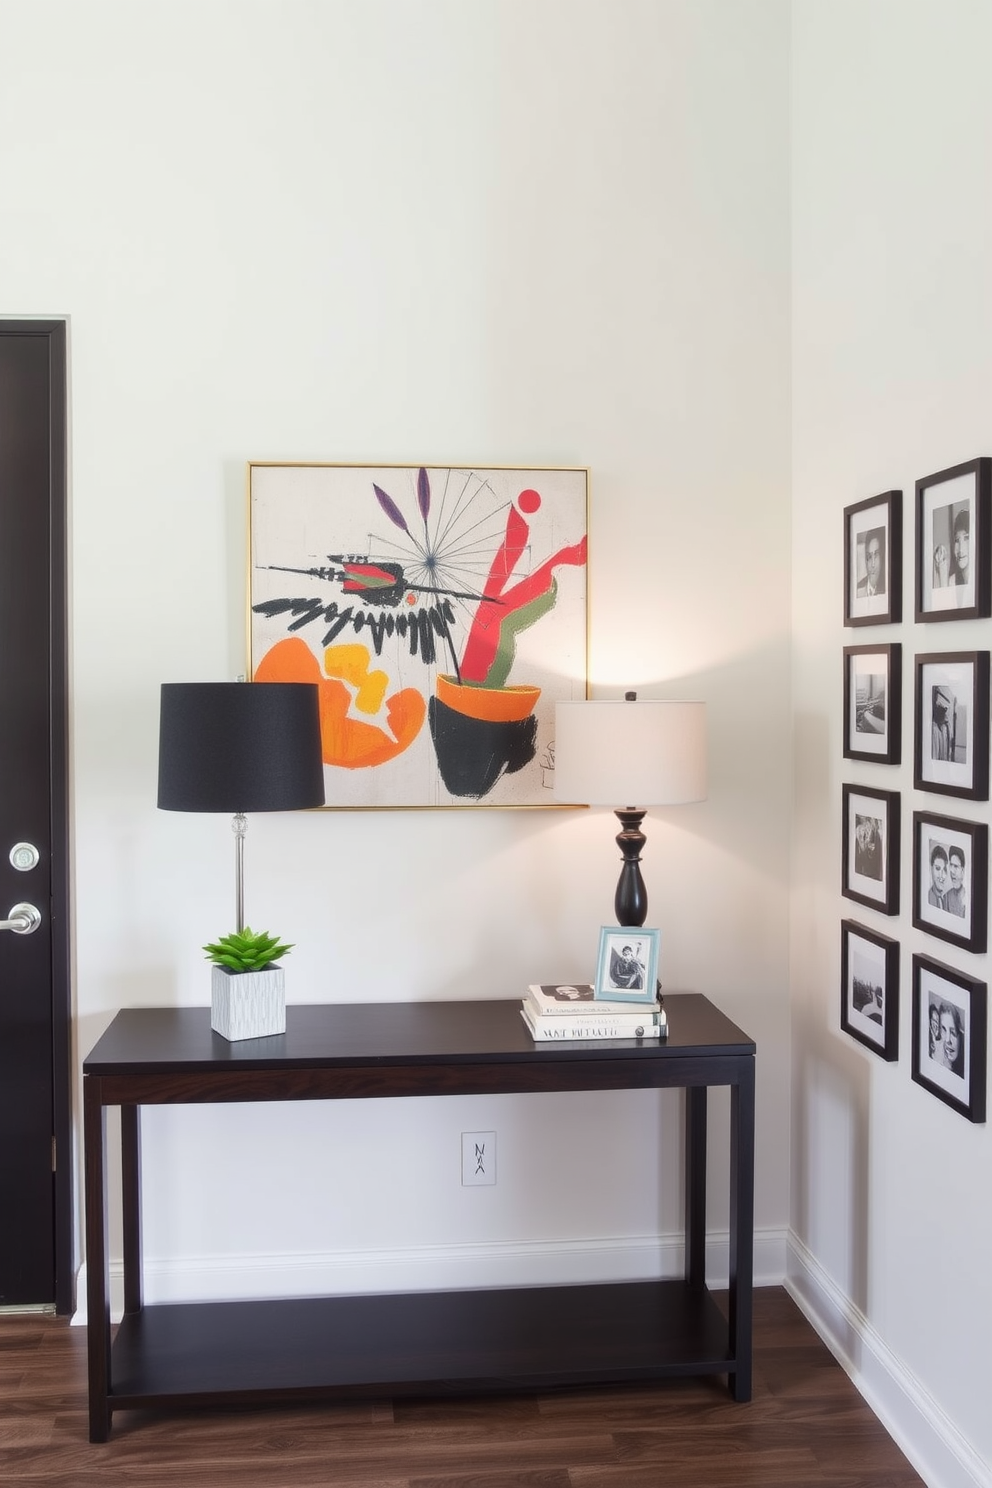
(478, 1158)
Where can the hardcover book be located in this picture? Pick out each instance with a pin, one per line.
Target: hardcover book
(546, 1030)
(579, 1000)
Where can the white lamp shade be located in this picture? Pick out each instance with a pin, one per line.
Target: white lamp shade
(618, 752)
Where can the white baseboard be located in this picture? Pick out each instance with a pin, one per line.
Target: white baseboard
(434, 1268)
(914, 1420)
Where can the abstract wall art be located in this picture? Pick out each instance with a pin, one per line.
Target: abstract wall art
(440, 609)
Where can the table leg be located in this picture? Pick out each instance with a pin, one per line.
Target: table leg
(695, 1185)
(97, 1269)
(742, 1227)
(131, 1194)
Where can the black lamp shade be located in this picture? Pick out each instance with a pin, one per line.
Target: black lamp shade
(239, 747)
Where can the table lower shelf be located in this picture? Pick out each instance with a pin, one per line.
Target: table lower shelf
(415, 1343)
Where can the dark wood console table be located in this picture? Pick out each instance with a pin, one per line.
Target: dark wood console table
(266, 1352)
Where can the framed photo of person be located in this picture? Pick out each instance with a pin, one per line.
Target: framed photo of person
(869, 989)
(873, 703)
(950, 1012)
(951, 879)
(870, 832)
(627, 970)
(953, 543)
(873, 560)
(951, 724)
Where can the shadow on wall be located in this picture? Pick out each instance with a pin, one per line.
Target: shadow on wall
(818, 811)
(831, 1163)
(832, 1081)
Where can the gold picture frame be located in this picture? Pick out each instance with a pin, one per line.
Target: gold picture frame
(441, 609)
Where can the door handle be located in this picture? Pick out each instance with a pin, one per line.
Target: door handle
(24, 919)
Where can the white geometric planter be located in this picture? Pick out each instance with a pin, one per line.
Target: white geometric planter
(247, 1004)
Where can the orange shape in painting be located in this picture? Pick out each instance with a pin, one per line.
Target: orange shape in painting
(494, 704)
(346, 741)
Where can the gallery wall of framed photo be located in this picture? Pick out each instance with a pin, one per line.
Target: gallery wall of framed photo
(947, 689)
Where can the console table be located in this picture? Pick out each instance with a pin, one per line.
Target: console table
(266, 1352)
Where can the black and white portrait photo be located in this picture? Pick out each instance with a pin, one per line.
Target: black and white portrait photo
(870, 561)
(945, 1045)
(870, 829)
(949, 1014)
(951, 726)
(870, 988)
(872, 703)
(873, 560)
(952, 579)
(627, 970)
(950, 879)
(951, 535)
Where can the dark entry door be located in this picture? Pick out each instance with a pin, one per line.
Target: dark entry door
(35, 1158)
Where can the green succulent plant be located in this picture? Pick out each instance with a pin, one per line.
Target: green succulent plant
(246, 950)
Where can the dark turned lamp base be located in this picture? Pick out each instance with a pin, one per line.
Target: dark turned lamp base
(631, 902)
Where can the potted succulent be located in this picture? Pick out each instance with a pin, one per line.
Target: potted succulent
(248, 995)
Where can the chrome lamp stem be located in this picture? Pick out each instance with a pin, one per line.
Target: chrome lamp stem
(239, 827)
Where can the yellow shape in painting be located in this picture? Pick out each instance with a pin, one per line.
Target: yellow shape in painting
(351, 664)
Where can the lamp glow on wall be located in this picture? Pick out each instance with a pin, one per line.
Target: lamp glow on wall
(649, 753)
(238, 747)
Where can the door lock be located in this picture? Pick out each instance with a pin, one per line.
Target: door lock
(24, 856)
(23, 919)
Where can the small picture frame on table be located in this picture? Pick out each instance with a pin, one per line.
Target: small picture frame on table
(869, 989)
(951, 724)
(873, 560)
(951, 879)
(870, 834)
(953, 534)
(873, 703)
(950, 1012)
(627, 969)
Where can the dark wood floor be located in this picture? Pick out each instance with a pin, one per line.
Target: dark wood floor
(806, 1425)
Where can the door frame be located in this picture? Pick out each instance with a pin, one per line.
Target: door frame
(55, 333)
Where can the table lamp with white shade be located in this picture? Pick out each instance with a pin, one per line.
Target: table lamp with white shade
(647, 753)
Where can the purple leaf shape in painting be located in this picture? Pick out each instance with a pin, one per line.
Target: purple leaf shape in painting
(390, 508)
(423, 492)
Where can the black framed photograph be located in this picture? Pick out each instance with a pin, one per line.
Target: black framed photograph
(953, 543)
(951, 879)
(873, 560)
(951, 724)
(869, 988)
(950, 1012)
(873, 703)
(870, 853)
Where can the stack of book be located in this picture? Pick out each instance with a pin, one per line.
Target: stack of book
(574, 1012)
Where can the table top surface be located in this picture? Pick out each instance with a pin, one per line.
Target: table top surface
(176, 1039)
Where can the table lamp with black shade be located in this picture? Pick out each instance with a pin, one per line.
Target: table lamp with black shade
(649, 753)
(239, 747)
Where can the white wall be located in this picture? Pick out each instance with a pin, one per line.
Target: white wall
(892, 381)
(505, 232)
